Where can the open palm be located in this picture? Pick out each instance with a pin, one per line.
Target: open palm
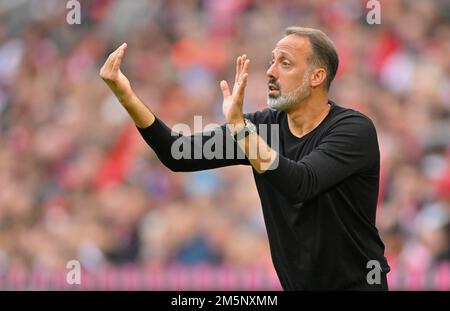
(233, 101)
(113, 76)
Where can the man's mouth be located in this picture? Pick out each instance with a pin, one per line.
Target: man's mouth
(273, 89)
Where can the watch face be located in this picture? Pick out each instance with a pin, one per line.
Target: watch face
(251, 126)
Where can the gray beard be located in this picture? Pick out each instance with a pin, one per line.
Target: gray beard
(286, 101)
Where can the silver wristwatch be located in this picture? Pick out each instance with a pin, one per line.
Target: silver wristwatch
(248, 129)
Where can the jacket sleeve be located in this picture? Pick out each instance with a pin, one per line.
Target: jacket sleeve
(201, 151)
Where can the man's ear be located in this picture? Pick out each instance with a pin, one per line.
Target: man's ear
(318, 76)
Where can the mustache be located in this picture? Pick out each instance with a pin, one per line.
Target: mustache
(273, 82)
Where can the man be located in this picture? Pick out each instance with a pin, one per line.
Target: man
(319, 190)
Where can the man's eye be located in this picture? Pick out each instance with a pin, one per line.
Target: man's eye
(271, 62)
(285, 64)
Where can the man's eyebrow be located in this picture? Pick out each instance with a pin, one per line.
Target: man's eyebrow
(282, 54)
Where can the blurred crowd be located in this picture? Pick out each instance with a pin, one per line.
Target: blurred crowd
(78, 182)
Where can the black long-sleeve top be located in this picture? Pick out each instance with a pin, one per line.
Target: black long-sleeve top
(319, 201)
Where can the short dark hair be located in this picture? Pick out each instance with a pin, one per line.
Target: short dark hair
(323, 50)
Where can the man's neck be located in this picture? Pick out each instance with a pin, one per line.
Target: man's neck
(308, 114)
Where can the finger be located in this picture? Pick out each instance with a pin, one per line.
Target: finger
(238, 69)
(244, 71)
(241, 68)
(243, 59)
(112, 57)
(245, 66)
(243, 84)
(119, 56)
(225, 88)
(114, 53)
(239, 73)
(244, 77)
(109, 61)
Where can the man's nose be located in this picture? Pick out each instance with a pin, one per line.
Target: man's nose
(271, 72)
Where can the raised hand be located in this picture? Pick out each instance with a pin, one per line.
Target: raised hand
(233, 100)
(113, 76)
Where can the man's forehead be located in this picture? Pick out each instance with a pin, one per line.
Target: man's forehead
(292, 45)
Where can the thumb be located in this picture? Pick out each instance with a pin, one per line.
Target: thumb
(225, 88)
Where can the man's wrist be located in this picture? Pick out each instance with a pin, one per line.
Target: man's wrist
(236, 126)
(242, 131)
(124, 97)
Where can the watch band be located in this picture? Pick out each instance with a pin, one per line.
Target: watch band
(248, 129)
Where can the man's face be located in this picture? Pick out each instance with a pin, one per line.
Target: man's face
(289, 73)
